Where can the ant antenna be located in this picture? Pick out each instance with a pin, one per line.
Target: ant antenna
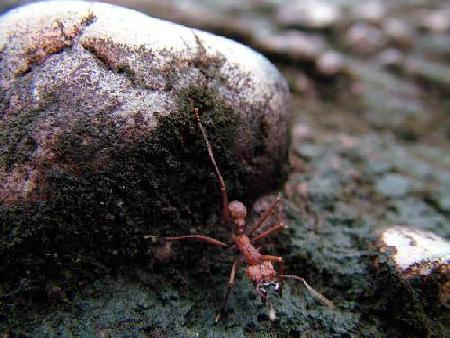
(219, 177)
(315, 293)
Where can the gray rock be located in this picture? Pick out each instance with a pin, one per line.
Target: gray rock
(330, 63)
(364, 39)
(391, 59)
(436, 21)
(99, 145)
(311, 15)
(399, 33)
(293, 45)
(70, 61)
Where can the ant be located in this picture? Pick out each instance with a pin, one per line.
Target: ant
(260, 269)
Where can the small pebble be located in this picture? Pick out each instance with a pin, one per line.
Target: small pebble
(330, 63)
(309, 14)
(437, 21)
(371, 11)
(295, 45)
(365, 39)
(391, 58)
(399, 33)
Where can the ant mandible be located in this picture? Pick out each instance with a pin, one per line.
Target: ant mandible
(260, 269)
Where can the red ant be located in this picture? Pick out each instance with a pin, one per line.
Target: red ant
(260, 269)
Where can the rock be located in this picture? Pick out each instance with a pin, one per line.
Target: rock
(307, 14)
(435, 21)
(293, 45)
(399, 33)
(416, 252)
(330, 63)
(420, 257)
(299, 82)
(365, 39)
(98, 142)
(393, 185)
(391, 59)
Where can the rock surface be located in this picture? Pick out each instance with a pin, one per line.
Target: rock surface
(64, 62)
(98, 142)
(416, 253)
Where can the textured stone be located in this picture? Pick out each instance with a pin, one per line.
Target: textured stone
(68, 61)
(312, 15)
(416, 252)
(99, 145)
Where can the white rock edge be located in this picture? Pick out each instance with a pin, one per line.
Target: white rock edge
(416, 247)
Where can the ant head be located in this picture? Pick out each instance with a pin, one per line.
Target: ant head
(238, 212)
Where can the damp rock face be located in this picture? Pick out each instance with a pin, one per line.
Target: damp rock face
(98, 143)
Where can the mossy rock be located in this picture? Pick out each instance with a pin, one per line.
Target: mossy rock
(99, 145)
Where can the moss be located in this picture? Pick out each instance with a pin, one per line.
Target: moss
(16, 141)
(402, 307)
(97, 215)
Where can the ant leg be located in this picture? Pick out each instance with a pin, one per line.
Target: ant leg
(219, 177)
(200, 238)
(264, 216)
(230, 286)
(315, 293)
(275, 259)
(268, 232)
(280, 278)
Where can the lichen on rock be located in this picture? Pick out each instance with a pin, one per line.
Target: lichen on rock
(99, 145)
